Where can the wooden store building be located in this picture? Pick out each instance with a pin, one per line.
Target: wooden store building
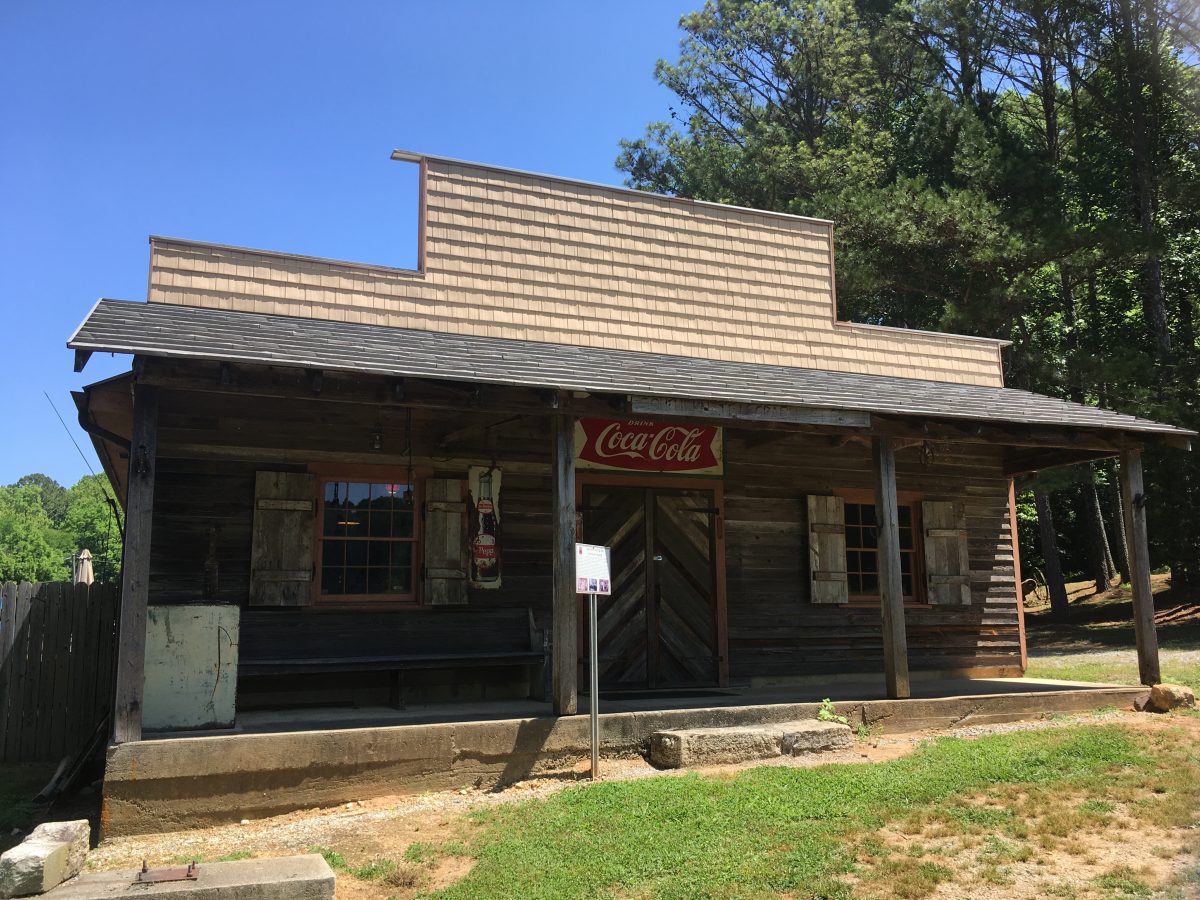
(347, 483)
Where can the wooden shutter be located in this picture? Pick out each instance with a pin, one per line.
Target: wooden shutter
(281, 553)
(827, 549)
(947, 562)
(445, 542)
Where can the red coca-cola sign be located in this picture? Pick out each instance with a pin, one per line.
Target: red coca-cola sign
(640, 445)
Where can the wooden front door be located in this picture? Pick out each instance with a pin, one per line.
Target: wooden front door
(659, 628)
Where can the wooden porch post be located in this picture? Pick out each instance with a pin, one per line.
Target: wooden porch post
(891, 586)
(564, 665)
(1134, 503)
(135, 568)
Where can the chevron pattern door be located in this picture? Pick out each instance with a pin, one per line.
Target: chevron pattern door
(658, 629)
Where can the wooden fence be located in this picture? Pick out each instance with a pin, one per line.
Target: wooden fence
(57, 651)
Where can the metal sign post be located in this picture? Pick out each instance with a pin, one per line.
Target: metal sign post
(592, 578)
(594, 685)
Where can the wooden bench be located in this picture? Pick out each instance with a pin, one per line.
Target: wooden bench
(286, 642)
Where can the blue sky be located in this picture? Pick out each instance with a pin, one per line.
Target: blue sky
(269, 124)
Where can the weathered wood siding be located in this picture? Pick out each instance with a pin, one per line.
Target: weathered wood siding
(774, 631)
(204, 511)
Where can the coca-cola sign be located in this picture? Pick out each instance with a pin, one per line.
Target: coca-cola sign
(639, 445)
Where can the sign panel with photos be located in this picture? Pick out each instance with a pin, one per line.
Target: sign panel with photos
(592, 570)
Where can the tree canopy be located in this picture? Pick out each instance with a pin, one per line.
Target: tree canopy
(1027, 170)
(43, 524)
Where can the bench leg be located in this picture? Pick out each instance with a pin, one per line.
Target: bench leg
(397, 698)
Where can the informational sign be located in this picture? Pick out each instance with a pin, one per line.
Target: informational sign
(641, 445)
(592, 570)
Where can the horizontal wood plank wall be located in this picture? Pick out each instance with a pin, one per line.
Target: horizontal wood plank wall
(774, 631)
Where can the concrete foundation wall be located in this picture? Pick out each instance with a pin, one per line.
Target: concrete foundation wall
(191, 667)
(179, 783)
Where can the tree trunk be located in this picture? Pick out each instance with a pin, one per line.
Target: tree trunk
(1110, 567)
(1122, 554)
(1049, 542)
(1093, 528)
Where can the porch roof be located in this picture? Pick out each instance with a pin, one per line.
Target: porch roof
(182, 332)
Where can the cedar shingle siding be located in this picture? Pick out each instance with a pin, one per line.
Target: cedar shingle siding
(521, 256)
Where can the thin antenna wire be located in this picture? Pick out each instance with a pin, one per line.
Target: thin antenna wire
(86, 462)
(68, 431)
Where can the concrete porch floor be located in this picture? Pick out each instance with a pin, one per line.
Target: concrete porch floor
(845, 689)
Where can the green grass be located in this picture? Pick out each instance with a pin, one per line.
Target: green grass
(769, 830)
(1178, 667)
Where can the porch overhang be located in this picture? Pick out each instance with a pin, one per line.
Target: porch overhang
(284, 356)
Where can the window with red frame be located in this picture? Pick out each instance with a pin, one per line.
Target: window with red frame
(862, 550)
(368, 540)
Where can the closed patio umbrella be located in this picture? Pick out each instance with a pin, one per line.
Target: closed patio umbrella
(83, 567)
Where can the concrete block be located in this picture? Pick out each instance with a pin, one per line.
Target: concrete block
(33, 867)
(284, 878)
(816, 737)
(707, 746)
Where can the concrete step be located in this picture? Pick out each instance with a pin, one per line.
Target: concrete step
(283, 878)
(683, 748)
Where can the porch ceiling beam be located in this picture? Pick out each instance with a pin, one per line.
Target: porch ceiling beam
(280, 383)
(748, 412)
(1021, 462)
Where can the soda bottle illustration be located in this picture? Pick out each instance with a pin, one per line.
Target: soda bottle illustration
(485, 549)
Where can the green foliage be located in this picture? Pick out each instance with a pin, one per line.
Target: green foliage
(42, 524)
(827, 714)
(1013, 170)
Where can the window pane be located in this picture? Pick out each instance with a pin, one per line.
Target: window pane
(905, 562)
(378, 553)
(852, 514)
(853, 563)
(400, 581)
(853, 537)
(870, 584)
(906, 540)
(333, 553)
(357, 493)
(870, 538)
(402, 522)
(381, 523)
(402, 555)
(868, 514)
(331, 581)
(904, 515)
(854, 583)
(868, 561)
(906, 583)
(377, 581)
(356, 581)
(356, 553)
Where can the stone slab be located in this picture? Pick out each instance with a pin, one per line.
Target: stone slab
(284, 878)
(816, 737)
(171, 784)
(33, 867)
(683, 748)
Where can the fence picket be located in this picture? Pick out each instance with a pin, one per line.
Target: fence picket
(57, 643)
